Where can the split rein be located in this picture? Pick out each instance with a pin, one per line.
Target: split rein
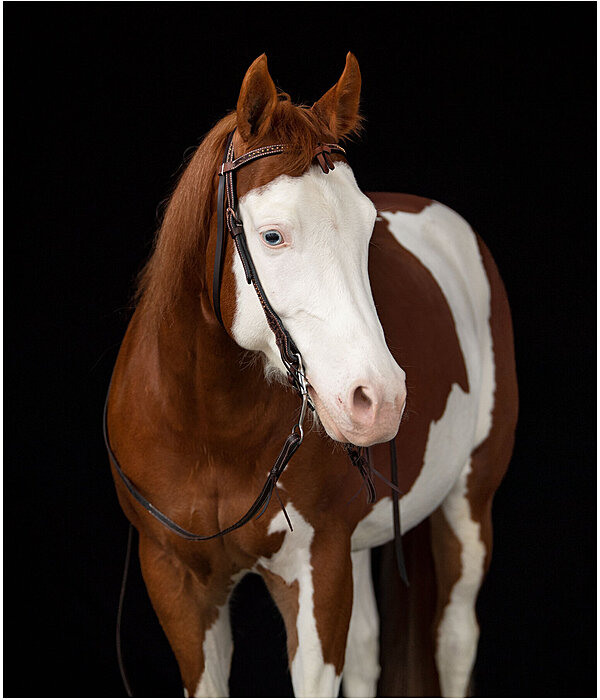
(228, 218)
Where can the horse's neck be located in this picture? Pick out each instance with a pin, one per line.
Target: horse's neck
(192, 378)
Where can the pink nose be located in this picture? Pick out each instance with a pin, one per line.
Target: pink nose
(374, 418)
(364, 405)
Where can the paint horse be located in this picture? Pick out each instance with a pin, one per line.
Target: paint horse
(399, 312)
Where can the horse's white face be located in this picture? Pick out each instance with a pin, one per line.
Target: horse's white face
(309, 239)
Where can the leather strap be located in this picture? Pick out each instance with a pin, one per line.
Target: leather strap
(361, 458)
(396, 514)
(221, 240)
(322, 152)
(260, 504)
(285, 344)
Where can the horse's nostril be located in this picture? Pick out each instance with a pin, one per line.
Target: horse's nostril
(361, 401)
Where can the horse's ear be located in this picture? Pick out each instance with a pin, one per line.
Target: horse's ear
(338, 107)
(257, 99)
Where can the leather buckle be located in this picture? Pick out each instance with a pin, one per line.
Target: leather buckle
(321, 153)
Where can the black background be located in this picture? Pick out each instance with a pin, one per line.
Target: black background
(489, 108)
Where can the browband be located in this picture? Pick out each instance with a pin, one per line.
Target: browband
(261, 152)
(275, 149)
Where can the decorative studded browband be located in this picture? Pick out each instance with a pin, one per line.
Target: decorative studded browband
(228, 218)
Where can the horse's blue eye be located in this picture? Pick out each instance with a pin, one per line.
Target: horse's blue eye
(272, 237)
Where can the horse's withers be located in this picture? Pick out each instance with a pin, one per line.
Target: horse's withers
(317, 280)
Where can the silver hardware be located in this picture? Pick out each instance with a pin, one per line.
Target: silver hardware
(298, 425)
(306, 400)
(301, 376)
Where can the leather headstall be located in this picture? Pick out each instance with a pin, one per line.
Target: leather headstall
(227, 215)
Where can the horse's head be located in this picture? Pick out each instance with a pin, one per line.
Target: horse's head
(308, 233)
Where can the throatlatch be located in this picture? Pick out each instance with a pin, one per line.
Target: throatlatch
(228, 218)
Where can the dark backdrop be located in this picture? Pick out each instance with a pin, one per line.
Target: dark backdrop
(489, 108)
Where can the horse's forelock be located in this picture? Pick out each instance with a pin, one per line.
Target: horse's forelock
(299, 127)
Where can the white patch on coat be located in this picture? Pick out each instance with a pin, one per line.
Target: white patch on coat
(217, 649)
(376, 528)
(361, 665)
(446, 447)
(311, 676)
(458, 631)
(318, 284)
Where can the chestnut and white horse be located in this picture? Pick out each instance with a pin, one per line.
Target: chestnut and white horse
(399, 312)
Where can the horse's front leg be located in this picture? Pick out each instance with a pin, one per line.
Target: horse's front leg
(310, 579)
(194, 613)
(361, 668)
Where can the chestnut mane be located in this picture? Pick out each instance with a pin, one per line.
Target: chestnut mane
(177, 262)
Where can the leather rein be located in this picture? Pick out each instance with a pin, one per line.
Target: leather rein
(228, 220)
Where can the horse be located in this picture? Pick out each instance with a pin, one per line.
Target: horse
(387, 316)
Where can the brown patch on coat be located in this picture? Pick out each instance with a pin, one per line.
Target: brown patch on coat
(286, 597)
(332, 597)
(421, 335)
(395, 201)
